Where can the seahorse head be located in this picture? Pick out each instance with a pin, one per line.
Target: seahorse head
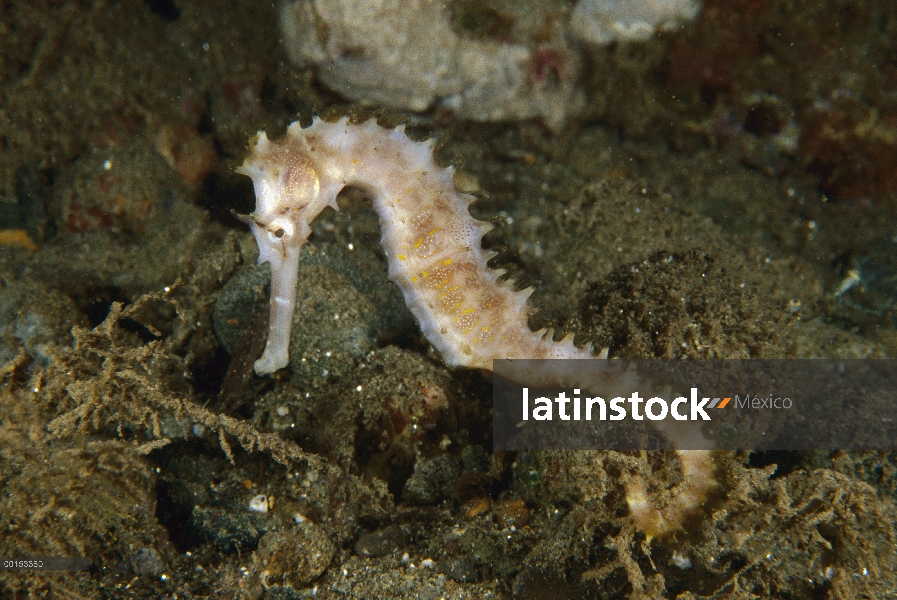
(288, 195)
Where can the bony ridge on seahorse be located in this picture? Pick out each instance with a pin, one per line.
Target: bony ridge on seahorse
(434, 255)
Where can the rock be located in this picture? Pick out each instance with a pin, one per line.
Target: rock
(381, 542)
(433, 480)
(333, 325)
(408, 55)
(37, 327)
(229, 528)
(124, 188)
(345, 306)
(294, 557)
(459, 570)
(475, 459)
(606, 21)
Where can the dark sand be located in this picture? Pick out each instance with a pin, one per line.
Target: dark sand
(667, 222)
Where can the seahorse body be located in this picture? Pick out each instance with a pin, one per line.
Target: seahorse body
(431, 241)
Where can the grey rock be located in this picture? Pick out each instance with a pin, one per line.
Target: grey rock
(342, 312)
(294, 557)
(333, 324)
(230, 529)
(475, 459)
(381, 542)
(433, 480)
(38, 327)
(458, 569)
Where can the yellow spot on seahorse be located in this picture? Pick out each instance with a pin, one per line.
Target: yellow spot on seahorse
(414, 279)
(469, 310)
(402, 257)
(418, 243)
(425, 274)
(447, 262)
(451, 289)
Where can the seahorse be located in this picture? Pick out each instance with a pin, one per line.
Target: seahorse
(433, 250)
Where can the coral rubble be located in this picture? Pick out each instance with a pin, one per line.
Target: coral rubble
(603, 21)
(406, 54)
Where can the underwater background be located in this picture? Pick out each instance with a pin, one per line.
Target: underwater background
(720, 183)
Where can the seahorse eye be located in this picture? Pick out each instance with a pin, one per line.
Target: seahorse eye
(279, 229)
